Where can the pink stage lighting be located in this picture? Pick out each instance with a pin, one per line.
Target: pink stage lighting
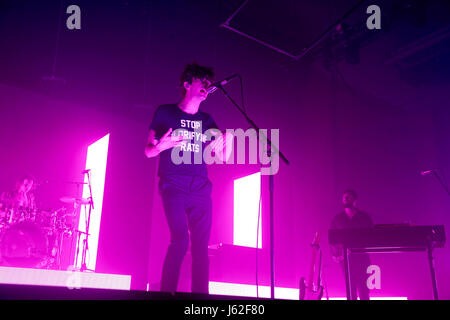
(96, 158)
(247, 192)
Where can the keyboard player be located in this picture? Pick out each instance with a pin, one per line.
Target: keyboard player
(352, 217)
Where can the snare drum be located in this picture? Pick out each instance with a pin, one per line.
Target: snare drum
(46, 220)
(24, 215)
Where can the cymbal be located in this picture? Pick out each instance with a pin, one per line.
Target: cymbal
(75, 182)
(74, 200)
(63, 212)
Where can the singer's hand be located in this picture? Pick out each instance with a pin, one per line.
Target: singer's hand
(168, 141)
(155, 147)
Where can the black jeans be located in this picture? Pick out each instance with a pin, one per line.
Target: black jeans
(188, 209)
(358, 275)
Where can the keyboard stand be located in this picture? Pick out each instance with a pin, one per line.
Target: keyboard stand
(347, 262)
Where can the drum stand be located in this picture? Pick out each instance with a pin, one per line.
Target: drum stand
(86, 233)
(59, 239)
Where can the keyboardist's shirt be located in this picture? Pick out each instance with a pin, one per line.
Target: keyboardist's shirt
(359, 220)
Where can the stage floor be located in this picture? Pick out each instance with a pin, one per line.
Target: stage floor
(40, 284)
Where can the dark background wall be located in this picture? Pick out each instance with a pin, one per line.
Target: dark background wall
(371, 126)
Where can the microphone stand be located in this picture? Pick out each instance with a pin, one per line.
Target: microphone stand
(441, 182)
(271, 189)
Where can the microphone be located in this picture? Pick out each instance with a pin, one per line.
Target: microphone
(213, 87)
(85, 171)
(427, 172)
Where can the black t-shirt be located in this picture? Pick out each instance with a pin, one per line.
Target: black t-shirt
(359, 220)
(193, 128)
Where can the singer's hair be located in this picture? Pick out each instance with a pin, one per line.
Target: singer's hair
(352, 192)
(26, 176)
(195, 71)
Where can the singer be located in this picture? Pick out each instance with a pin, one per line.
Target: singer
(185, 188)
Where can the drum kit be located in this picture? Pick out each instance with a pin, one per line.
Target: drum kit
(34, 238)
